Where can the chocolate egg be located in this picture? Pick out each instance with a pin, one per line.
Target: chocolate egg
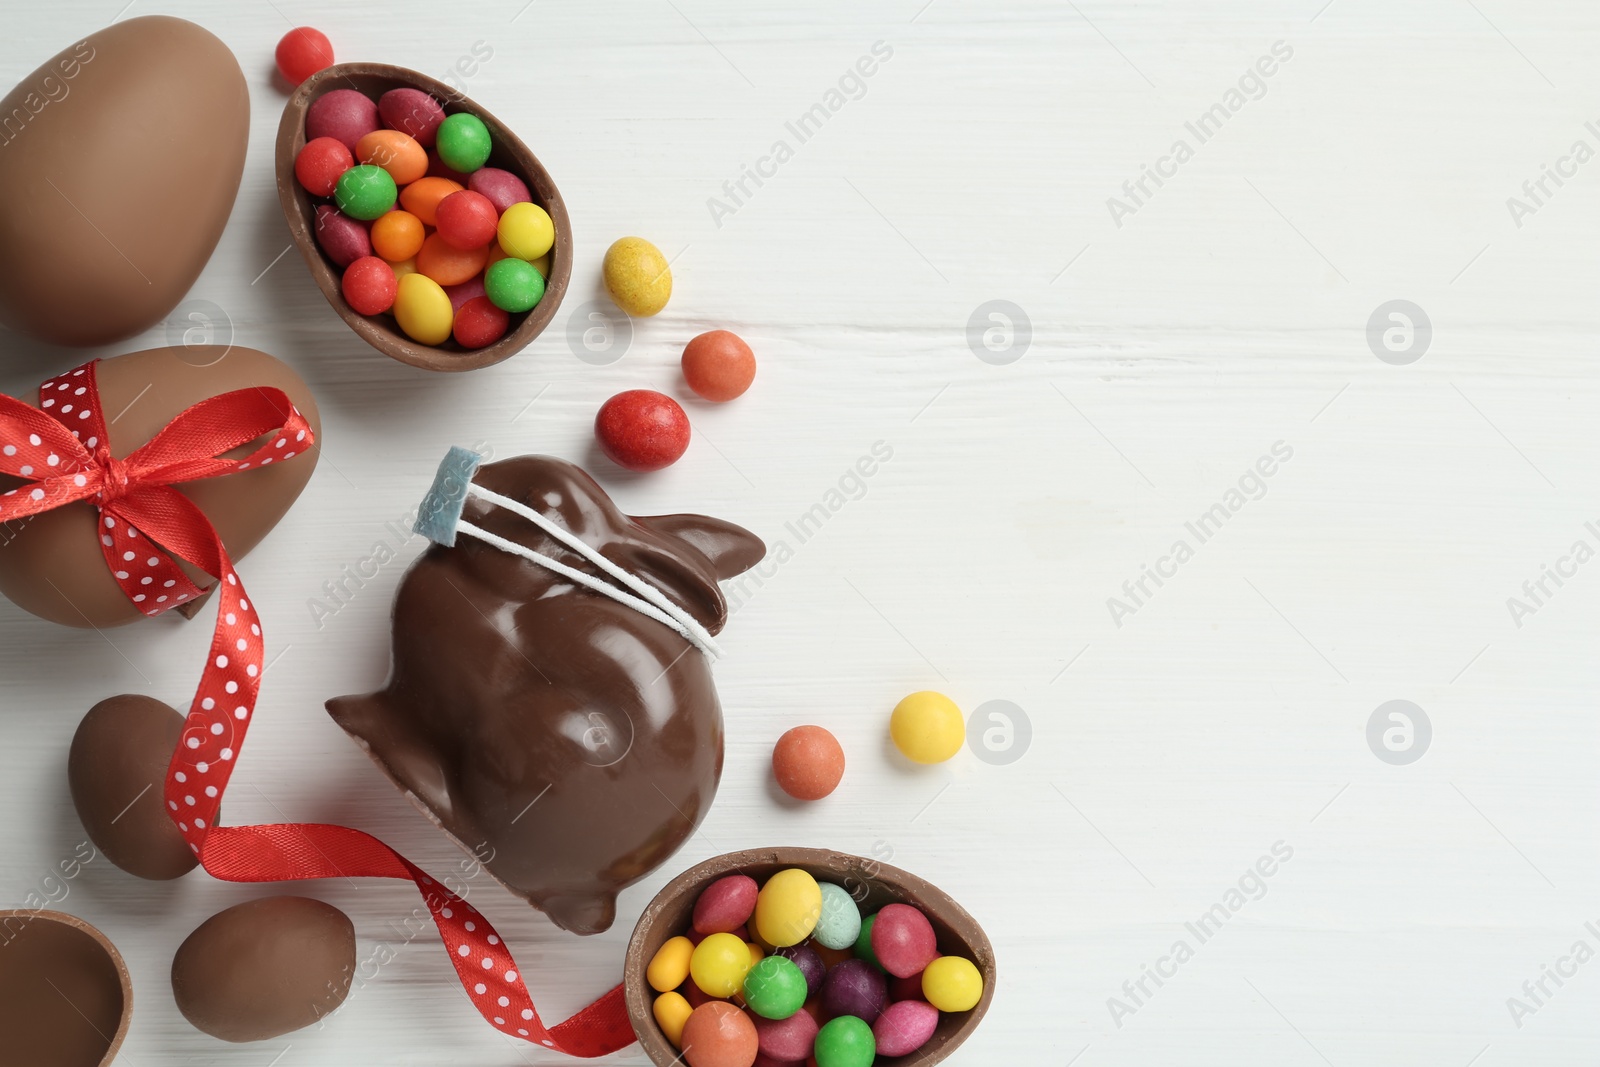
(115, 769)
(570, 742)
(51, 565)
(65, 995)
(127, 149)
(264, 968)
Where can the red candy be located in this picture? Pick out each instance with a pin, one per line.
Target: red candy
(411, 111)
(904, 1027)
(344, 239)
(903, 940)
(642, 430)
(319, 164)
(726, 904)
(718, 365)
(907, 988)
(369, 285)
(302, 52)
(466, 219)
(342, 114)
(787, 1040)
(808, 762)
(470, 289)
(479, 323)
(501, 187)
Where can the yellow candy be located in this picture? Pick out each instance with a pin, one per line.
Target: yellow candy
(756, 954)
(637, 276)
(404, 267)
(788, 907)
(670, 965)
(526, 231)
(671, 1012)
(927, 727)
(423, 310)
(542, 265)
(719, 964)
(951, 983)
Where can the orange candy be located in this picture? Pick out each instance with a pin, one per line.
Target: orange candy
(422, 197)
(807, 761)
(396, 152)
(447, 264)
(719, 1035)
(397, 236)
(719, 366)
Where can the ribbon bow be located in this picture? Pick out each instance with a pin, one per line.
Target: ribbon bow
(62, 449)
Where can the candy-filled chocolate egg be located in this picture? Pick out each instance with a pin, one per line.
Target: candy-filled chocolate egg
(119, 160)
(115, 769)
(264, 968)
(65, 996)
(51, 564)
(569, 740)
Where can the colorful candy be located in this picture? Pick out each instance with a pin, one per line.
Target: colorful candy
(726, 904)
(364, 192)
(718, 965)
(787, 1040)
(501, 187)
(463, 142)
(343, 239)
(637, 276)
(642, 430)
(788, 907)
(319, 164)
(863, 945)
(669, 967)
(343, 114)
(525, 231)
(927, 727)
(479, 323)
(369, 285)
(903, 940)
(397, 235)
(845, 1042)
(840, 922)
(301, 53)
(774, 988)
(397, 153)
(717, 1034)
(411, 111)
(810, 963)
(719, 366)
(904, 1027)
(952, 983)
(672, 1011)
(466, 219)
(422, 309)
(512, 284)
(447, 264)
(855, 987)
(807, 761)
(422, 197)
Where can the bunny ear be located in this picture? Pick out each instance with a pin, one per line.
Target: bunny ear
(731, 549)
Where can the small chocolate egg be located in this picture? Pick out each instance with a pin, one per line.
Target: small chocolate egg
(115, 769)
(264, 968)
(65, 995)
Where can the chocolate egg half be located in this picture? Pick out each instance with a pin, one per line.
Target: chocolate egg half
(264, 968)
(115, 769)
(120, 159)
(51, 565)
(65, 995)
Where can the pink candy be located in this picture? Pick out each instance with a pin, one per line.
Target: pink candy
(344, 115)
(903, 940)
(501, 187)
(787, 1040)
(904, 1027)
(726, 904)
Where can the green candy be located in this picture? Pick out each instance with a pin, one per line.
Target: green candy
(863, 947)
(775, 988)
(463, 142)
(365, 192)
(513, 285)
(845, 1042)
(840, 923)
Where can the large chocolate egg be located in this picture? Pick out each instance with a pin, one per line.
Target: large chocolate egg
(264, 968)
(50, 564)
(65, 995)
(115, 768)
(119, 160)
(568, 741)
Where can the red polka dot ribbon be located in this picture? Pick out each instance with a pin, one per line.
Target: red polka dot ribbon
(146, 526)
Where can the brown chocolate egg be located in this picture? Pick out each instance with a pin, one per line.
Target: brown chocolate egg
(264, 968)
(51, 565)
(65, 995)
(115, 769)
(127, 149)
(570, 742)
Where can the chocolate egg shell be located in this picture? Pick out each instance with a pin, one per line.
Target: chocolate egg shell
(65, 996)
(264, 968)
(50, 564)
(871, 883)
(127, 149)
(568, 741)
(115, 768)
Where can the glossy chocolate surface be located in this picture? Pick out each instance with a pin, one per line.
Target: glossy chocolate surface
(570, 742)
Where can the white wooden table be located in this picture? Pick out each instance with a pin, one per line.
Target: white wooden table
(1149, 354)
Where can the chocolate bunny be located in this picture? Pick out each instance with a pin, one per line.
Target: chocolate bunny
(571, 742)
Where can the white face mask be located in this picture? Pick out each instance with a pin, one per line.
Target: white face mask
(439, 519)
